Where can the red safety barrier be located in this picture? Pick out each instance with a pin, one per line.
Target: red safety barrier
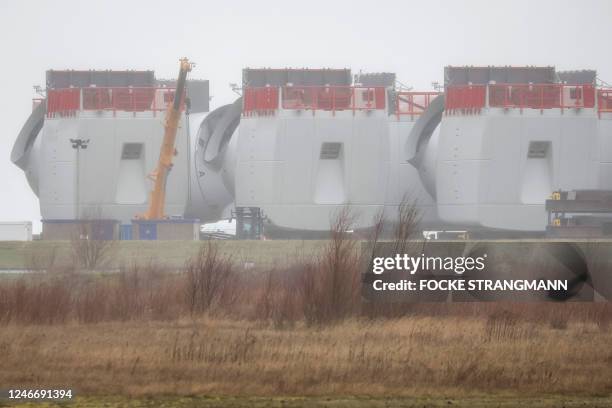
(262, 101)
(604, 101)
(134, 100)
(465, 98)
(541, 96)
(64, 101)
(588, 96)
(413, 103)
(471, 98)
(97, 98)
(333, 98)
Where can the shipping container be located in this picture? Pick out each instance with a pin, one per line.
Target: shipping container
(16, 231)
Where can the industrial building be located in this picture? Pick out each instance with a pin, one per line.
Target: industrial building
(484, 154)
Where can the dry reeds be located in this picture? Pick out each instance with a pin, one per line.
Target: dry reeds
(443, 354)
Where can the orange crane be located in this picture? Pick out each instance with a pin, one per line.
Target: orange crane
(157, 198)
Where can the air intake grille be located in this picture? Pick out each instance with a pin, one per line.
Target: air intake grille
(330, 151)
(131, 151)
(538, 150)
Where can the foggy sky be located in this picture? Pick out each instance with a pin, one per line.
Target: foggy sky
(415, 39)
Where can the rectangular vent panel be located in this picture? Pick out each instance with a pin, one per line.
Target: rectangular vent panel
(538, 150)
(330, 151)
(131, 151)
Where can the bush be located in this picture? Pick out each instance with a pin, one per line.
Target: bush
(210, 280)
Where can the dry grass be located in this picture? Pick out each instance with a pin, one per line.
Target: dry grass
(303, 329)
(138, 333)
(409, 356)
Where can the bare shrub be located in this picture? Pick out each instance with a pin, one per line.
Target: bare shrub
(403, 240)
(35, 303)
(89, 248)
(127, 294)
(405, 227)
(330, 286)
(136, 292)
(209, 279)
(164, 293)
(279, 298)
(90, 303)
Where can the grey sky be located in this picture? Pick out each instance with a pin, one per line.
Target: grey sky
(415, 39)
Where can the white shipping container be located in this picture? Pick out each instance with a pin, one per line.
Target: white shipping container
(16, 231)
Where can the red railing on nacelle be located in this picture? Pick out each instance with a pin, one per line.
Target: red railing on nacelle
(541, 96)
(262, 100)
(66, 102)
(265, 100)
(63, 102)
(604, 101)
(413, 103)
(466, 98)
(333, 98)
(472, 98)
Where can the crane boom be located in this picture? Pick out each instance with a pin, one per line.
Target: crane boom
(157, 198)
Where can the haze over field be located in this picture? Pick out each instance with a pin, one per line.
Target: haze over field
(414, 39)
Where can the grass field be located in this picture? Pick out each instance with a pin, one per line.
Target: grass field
(420, 357)
(265, 254)
(212, 334)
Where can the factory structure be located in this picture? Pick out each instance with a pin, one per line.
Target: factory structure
(522, 150)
